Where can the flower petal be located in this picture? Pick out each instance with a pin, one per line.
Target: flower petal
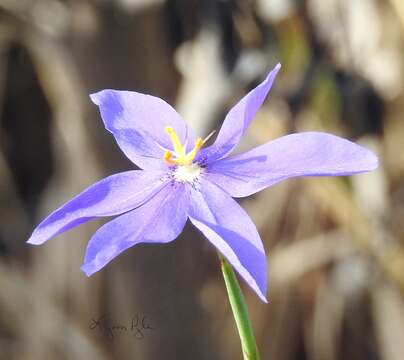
(160, 220)
(137, 122)
(231, 231)
(238, 119)
(113, 195)
(303, 154)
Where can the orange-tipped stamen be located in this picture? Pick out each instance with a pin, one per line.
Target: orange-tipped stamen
(181, 157)
(168, 157)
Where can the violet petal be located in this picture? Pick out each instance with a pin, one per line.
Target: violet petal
(302, 154)
(137, 122)
(227, 226)
(238, 119)
(113, 195)
(160, 220)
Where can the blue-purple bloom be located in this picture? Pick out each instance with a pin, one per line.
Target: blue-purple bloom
(180, 180)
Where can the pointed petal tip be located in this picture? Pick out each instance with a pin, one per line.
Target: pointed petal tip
(100, 96)
(35, 239)
(275, 70)
(261, 295)
(273, 73)
(87, 269)
(95, 97)
(32, 241)
(264, 299)
(370, 161)
(374, 162)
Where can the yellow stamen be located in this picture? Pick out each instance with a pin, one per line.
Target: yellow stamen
(181, 157)
(178, 148)
(191, 155)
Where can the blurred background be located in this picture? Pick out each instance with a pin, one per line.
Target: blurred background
(335, 245)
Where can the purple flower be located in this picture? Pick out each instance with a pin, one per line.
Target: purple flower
(180, 180)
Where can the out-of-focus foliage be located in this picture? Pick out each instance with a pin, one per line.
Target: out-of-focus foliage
(336, 246)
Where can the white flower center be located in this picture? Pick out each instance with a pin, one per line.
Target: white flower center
(187, 173)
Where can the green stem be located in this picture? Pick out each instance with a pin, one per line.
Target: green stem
(240, 312)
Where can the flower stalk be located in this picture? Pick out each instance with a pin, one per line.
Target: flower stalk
(240, 312)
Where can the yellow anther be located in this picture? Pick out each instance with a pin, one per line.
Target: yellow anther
(167, 155)
(199, 143)
(178, 148)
